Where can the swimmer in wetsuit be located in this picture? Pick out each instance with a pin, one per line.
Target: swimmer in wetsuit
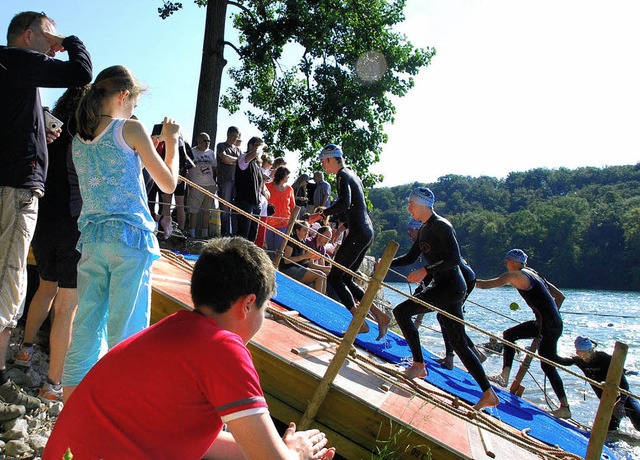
(470, 280)
(413, 229)
(545, 300)
(595, 365)
(437, 242)
(350, 204)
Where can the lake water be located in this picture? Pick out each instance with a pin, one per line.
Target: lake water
(603, 316)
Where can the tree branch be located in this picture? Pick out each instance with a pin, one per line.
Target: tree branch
(242, 7)
(232, 46)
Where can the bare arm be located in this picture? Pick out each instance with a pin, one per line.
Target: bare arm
(224, 446)
(556, 294)
(257, 438)
(515, 279)
(289, 259)
(222, 155)
(164, 173)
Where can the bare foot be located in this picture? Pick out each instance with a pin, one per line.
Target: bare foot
(446, 362)
(489, 399)
(416, 371)
(383, 325)
(365, 327)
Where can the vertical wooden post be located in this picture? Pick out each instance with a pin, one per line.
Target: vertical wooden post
(292, 221)
(349, 337)
(607, 401)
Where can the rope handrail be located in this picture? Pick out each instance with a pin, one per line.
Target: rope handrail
(364, 279)
(394, 377)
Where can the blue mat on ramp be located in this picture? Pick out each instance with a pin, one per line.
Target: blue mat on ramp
(512, 410)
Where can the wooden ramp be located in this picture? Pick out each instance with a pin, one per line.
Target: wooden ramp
(362, 412)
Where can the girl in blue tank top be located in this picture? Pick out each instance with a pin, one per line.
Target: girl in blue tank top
(117, 241)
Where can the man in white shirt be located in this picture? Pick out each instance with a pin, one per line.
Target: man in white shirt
(202, 174)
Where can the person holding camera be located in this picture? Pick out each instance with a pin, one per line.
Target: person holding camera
(117, 239)
(26, 64)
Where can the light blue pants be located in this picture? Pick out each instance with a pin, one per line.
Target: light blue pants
(114, 298)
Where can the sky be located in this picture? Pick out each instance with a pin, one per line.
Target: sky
(514, 85)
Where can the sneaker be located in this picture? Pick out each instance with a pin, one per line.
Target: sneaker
(499, 379)
(479, 354)
(446, 362)
(10, 411)
(50, 393)
(23, 357)
(13, 394)
(562, 412)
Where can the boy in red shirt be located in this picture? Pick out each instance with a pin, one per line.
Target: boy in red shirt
(167, 391)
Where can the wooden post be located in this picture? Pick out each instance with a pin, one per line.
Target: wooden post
(292, 221)
(516, 388)
(607, 401)
(349, 337)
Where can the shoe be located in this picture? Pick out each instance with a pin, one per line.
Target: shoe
(50, 393)
(562, 412)
(23, 357)
(446, 362)
(13, 394)
(499, 379)
(479, 353)
(10, 411)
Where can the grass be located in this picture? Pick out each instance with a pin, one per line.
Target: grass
(396, 445)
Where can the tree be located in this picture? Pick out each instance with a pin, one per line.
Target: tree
(212, 66)
(350, 62)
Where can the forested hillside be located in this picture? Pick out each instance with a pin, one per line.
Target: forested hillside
(581, 228)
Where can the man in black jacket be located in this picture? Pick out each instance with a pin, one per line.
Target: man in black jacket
(26, 63)
(248, 183)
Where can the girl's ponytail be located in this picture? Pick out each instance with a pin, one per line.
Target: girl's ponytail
(88, 112)
(110, 81)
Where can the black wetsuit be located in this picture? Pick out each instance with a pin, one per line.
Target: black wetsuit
(437, 242)
(547, 326)
(353, 209)
(470, 280)
(596, 369)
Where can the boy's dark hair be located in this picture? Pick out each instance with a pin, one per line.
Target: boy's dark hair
(229, 268)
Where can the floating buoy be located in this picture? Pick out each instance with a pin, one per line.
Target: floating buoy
(514, 306)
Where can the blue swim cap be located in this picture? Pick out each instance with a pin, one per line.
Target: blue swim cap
(330, 151)
(414, 224)
(583, 343)
(423, 196)
(518, 255)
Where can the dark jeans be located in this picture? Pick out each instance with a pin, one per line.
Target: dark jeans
(247, 228)
(226, 191)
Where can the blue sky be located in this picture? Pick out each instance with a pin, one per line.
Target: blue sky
(515, 85)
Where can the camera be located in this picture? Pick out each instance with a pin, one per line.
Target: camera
(157, 130)
(51, 122)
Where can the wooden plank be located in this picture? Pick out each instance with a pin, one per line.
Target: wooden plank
(356, 414)
(350, 336)
(610, 394)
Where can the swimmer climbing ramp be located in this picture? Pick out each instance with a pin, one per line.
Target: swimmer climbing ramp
(370, 406)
